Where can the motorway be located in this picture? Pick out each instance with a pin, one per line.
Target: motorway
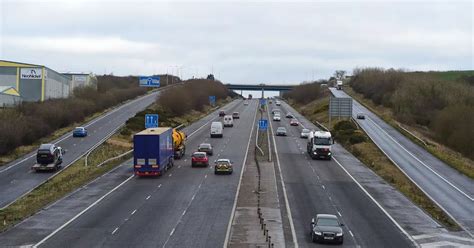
(451, 190)
(321, 186)
(17, 178)
(187, 207)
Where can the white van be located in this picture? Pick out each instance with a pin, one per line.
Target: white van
(217, 129)
(228, 121)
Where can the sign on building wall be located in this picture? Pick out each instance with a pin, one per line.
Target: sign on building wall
(31, 73)
(79, 78)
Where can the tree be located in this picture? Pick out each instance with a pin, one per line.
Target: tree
(339, 74)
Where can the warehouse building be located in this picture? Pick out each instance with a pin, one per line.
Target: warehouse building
(81, 79)
(34, 82)
(9, 96)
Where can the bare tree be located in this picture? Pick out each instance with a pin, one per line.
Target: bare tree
(339, 74)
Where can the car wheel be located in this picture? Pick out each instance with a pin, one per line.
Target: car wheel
(313, 238)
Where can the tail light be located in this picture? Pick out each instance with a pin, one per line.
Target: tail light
(155, 166)
(138, 166)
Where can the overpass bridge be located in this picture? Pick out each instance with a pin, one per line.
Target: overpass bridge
(260, 87)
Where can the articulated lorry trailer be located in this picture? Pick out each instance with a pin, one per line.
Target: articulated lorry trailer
(153, 152)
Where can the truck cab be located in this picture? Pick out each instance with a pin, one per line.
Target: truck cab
(339, 85)
(319, 145)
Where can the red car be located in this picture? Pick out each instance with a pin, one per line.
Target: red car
(199, 159)
(294, 122)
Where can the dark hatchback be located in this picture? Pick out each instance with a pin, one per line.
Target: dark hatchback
(326, 228)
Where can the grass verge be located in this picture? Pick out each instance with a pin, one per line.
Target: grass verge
(452, 158)
(369, 154)
(77, 175)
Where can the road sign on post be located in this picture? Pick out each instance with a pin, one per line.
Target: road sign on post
(263, 124)
(153, 81)
(212, 100)
(263, 101)
(151, 120)
(340, 107)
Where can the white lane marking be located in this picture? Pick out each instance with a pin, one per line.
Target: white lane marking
(192, 198)
(232, 215)
(179, 166)
(287, 203)
(133, 212)
(148, 197)
(172, 231)
(82, 212)
(421, 162)
(74, 144)
(159, 186)
(184, 212)
(339, 213)
(205, 176)
(113, 232)
(351, 233)
(323, 187)
(377, 203)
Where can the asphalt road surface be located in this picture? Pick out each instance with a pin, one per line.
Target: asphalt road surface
(17, 178)
(321, 186)
(186, 207)
(450, 189)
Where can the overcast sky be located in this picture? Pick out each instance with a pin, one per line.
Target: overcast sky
(241, 42)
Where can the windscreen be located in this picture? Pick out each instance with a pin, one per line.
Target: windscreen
(199, 155)
(327, 222)
(322, 141)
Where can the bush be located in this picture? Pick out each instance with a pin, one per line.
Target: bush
(445, 106)
(357, 137)
(305, 93)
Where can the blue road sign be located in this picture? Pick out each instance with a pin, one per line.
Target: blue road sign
(151, 120)
(263, 101)
(263, 124)
(212, 100)
(149, 81)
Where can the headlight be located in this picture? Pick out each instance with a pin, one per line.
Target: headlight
(339, 234)
(329, 153)
(315, 152)
(317, 233)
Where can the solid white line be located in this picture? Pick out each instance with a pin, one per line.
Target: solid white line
(287, 203)
(82, 212)
(232, 215)
(133, 212)
(170, 174)
(159, 186)
(148, 197)
(172, 231)
(184, 212)
(351, 233)
(113, 232)
(377, 203)
(421, 162)
(339, 213)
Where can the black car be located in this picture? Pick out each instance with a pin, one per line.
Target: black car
(289, 115)
(222, 113)
(48, 157)
(326, 228)
(361, 116)
(206, 147)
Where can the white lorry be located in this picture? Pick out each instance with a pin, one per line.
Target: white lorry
(319, 144)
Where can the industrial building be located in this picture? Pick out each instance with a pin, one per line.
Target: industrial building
(34, 82)
(81, 79)
(9, 96)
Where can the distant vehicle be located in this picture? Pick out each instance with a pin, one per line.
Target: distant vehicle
(48, 157)
(304, 133)
(278, 103)
(228, 121)
(294, 122)
(276, 118)
(323, 85)
(326, 228)
(246, 103)
(79, 132)
(361, 116)
(236, 115)
(281, 131)
(199, 158)
(275, 111)
(206, 147)
(319, 144)
(223, 166)
(222, 113)
(289, 115)
(153, 151)
(269, 101)
(250, 96)
(339, 84)
(217, 129)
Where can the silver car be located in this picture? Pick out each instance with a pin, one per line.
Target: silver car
(281, 131)
(304, 133)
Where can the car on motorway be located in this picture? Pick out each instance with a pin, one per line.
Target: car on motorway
(326, 228)
(199, 159)
(276, 118)
(289, 115)
(217, 129)
(222, 113)
(223, 165)
(294, 122)
(278, 103)
(79, 132)
(361, 116)
(275, 111)
(246, 103)
(304, 133)
(281, 131)
(48, 157)
(236, 115)
(207, 148)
